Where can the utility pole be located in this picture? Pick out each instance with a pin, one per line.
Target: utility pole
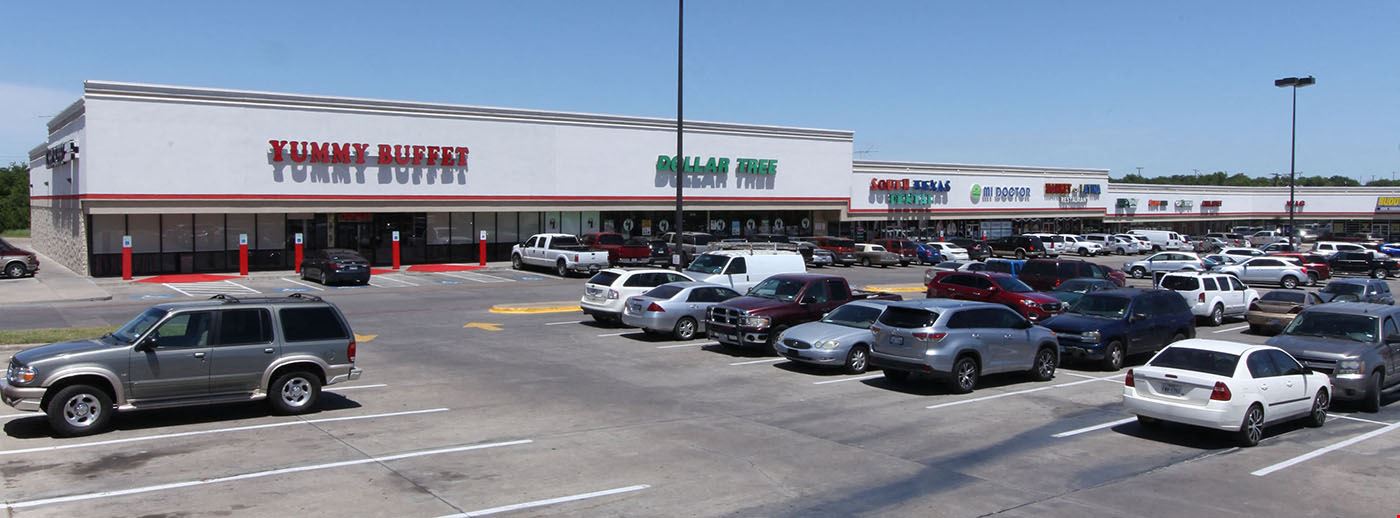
(678, 253)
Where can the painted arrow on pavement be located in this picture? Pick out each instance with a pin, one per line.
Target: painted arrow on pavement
(361, 339)
(484, 326)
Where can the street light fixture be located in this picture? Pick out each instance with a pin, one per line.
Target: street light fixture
(1295, 83)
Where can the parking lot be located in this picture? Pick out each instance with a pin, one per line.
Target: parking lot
(464, 411)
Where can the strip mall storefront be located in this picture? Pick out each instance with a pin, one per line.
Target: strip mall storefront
(1202, 209)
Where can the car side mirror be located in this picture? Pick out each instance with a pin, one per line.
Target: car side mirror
(1139, 316)
(149, 344)
(808, 300)
(1024, 324)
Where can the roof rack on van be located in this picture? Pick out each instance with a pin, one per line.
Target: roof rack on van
(753, 246)
(230, 299)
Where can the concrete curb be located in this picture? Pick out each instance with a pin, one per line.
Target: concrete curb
(56, 301)
(536, 308)
(897, 288)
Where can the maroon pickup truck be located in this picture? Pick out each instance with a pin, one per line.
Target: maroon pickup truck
(621, 252)
(777, 303)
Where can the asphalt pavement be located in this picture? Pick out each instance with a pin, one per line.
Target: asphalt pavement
(462, 410)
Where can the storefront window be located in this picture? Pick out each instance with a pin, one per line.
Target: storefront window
(208, 232)
(569, 222)
(508, 227)
(439, 228)
(487, 221)
(590, 222)
(107, 232)
(272, 231)
(529, 225)
(177, 232)
(551, 222)
(462, 229)
(238, 224)
(145, 233)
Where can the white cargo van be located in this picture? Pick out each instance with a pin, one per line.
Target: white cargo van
(742, 269)
(1163, 239)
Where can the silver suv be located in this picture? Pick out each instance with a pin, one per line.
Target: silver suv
(958, 341)
(223, 350)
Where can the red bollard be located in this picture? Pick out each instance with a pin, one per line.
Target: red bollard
(243, 254)
(396, 249)
(297, 255)
(482, 252)
(126, 258)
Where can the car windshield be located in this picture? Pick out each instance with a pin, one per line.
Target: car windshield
(698, 239)
(853, 315)
(1101, 306)
(665, 291)
(952, 265)
(998, 266)
(1076, 286)
(1326, 324)
(610, 239)
(842, 243)
(1198, 360)
(637, 241)
(563, 241)
(708, 263)
(779, 289)
(1012, 285)
(1039, 268)
(1342, 288)
(1180, 283)
(603, 278)
(1295, 297)
(138, 326)
(908, 318)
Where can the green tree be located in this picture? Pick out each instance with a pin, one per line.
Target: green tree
(14, 197)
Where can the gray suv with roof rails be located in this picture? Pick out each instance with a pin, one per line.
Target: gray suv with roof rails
(223, 350)
(1355, 343)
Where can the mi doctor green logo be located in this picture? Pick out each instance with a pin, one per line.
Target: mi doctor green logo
(976, 193)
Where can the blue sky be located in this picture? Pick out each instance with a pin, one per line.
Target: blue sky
(1166, 86)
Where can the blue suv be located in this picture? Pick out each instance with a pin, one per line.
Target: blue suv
(1110, 325)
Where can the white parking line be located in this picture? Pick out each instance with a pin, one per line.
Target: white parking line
(395, 278)
(476, 277)
(371, 283)
(1230, 329)
(551, 501)
(299, 283)
(247, 476)
(1095, 427)
(857, 378)
(1014, 393)
(182, 292)
(1344, 416)
(1086, 376)
(352, 387)
(562, 323)
(216, 430)
(691, 344)
(1324, 450)
(765, 360)
(618, 334)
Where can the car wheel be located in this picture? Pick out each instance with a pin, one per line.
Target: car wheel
(1020, 254)
(1113, 356)
(1176, 338)
(1217, 315)
(1372, 403)
(1289, 282)
(15, 270)
(865, 261)
(1138, 272)
(515, 262)
(78, 410)
(325, 280)
(1148, 422)
(1044, 369)
(561, 268)
(896, 376)
(1318, 417)
(773, 339)
(1256, 329)
(965, 373)
(685, 329)
(857, 360)
(303, 274)
(294, 393)
(1252, 429)
(1378, 273)
(1312, 279)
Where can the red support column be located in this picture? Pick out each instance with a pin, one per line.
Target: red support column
(482, 252)
(126, 258)
(297, 255)
(243, 254)
(396, 249)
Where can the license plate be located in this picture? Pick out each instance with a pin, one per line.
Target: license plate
(1171, 389)
(732, 338)
(791, 353)
(896, 340)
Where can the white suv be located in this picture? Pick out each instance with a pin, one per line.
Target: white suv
(1212, 296)
(605, 294)
(1076, 245)
(1054, 243)
(1330, 248)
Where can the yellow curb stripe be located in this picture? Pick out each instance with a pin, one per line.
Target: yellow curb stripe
(516, 310)
(898, 288)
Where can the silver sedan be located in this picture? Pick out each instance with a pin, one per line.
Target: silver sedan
(677, 309)
(1269, 270)
(842, 338)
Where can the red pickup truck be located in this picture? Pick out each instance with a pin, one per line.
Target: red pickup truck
(621, 251)
(777, 303)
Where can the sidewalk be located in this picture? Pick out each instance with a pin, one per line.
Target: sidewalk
(274, 274)
(54, 283)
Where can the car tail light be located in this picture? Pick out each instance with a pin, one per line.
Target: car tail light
(655, 307)
(576, 258)
(350, 350)
(1220, 392)
(1128, 379)
(1201, 297)
(612, 294)
(1296, 310)
(1058, 281)
(335, 266)
(929, 337)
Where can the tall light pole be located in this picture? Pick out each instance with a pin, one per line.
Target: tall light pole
(1295, 83)
(678, 254)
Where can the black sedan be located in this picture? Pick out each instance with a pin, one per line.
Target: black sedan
(332, 265)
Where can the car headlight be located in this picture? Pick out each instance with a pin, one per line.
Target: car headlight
(827, 344)
(20, 375)
(757, 321)
(1090, 336)
(1348, 367)
(1028, 303)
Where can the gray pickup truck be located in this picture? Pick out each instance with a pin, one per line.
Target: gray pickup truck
(224, 350)
(562, 252)
(1356, 343)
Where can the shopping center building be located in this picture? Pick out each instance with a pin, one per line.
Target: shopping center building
(186, 172)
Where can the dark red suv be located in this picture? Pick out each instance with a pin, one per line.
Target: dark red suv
(999, 288)
(1046, 274)
(908, 250)
(1316, 264)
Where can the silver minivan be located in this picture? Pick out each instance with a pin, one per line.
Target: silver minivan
(958, 341)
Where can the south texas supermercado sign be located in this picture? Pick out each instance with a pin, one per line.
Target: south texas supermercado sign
(301, 151)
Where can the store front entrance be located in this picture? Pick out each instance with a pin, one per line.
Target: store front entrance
(354, 232)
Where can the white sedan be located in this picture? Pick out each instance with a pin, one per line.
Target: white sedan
(950, 251)
(1226, 386)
